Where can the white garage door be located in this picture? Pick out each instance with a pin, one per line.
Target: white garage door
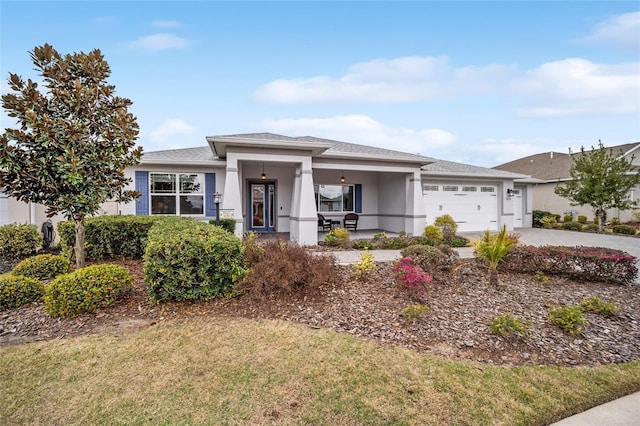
(518, 217)
(473, 207)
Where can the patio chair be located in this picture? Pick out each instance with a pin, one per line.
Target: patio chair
(351, 221)
(324, 225)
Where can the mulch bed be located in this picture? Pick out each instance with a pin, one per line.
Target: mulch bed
(461, 305)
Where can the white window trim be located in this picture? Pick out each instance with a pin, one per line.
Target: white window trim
(177, 193)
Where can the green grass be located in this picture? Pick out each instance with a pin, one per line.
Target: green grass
(223, 371)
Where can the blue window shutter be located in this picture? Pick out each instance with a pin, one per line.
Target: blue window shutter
(358, 197)
(209, 189)
(142, 186)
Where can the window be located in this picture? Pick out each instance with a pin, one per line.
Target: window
(450, 188)
(469, 188)
(487, 189)
(177, 193)
(429, 188)
(334, 198)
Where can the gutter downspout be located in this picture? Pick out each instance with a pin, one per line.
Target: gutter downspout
(32, 213)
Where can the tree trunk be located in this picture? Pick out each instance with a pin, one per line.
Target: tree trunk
(493, 277)
(79, 247)
(600, 221)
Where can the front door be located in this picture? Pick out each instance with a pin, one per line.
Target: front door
(262, 206)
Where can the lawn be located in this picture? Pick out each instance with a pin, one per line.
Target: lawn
(240, 371)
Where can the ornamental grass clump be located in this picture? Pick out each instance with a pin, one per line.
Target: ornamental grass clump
(412, 278)
(492, 248)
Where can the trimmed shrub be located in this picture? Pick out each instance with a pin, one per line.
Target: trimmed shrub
(582, 219)
(592, 227)
(624, 229)
(365, 266)
(226, 224)
(42, 267)
(432, 235)
(109, 236)
(537, 217)
(447, 226)
(569, 318)
(432, 259)
(17, 290)
(337, 237)
(548, 222)
(86, 290)
(567, 218)
(571, 226)
(585, 263)
(412, 278)
(186, 260)
(506, 325)
(414, 312)
(19, 241)
(284, 267)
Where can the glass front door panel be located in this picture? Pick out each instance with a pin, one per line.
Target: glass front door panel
(257, 206)
(272, 209)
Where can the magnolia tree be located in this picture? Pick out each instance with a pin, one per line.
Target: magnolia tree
(602, 179)
(73, 140)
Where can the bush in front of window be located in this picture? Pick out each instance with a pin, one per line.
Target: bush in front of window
(185, 260)
(109, 236)
(226, 224)
(19, 241)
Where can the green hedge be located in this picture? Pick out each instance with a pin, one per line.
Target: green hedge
(226, 224)
(16, 290)
(86, 290)
(42, 267)
(624, 229)
(186, 260)
(109, 236)
(19, 241)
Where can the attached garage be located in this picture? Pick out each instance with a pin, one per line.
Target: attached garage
(474, 207)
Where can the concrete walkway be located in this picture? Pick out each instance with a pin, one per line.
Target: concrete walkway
(623, 411)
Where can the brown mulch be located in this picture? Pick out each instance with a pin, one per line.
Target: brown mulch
(461, 305)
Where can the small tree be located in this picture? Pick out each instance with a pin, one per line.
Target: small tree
(601, 179)
(72, 142)
(492, 248)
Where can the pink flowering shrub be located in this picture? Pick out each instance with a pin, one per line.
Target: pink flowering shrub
(412, 278)
(586, 263)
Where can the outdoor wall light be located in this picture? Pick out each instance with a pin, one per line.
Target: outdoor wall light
(342, 178)
(217, 199)
(263, 176)
(509, 192)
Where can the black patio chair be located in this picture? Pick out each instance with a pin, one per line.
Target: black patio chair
(324, 225)
(350, 221)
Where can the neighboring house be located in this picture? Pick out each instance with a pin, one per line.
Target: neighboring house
(552, 169)
(275, 183)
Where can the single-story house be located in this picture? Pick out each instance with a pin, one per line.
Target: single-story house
(552, 169)
(276, 183)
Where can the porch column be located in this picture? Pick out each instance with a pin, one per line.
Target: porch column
(415, 215)
(294, 229)
(307, 216)
(232, 197)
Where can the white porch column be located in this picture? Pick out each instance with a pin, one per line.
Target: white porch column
(232, 198)
(307, 217)
(294, 229)
(415, 215)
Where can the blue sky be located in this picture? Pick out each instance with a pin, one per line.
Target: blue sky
(476, 82)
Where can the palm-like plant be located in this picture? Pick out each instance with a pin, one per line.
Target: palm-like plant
(492, 248)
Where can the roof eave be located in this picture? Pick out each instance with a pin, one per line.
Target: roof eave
(421, 161)
(185, 162)
(219, 144)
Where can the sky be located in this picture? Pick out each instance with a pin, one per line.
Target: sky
(477, 82)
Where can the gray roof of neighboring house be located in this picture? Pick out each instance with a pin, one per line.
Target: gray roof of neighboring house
(551, 166)
(450, 168)
(336, 148)
(198, 155)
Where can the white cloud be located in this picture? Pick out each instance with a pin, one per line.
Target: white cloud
(170, 132)
(364, 130)
(620, 30)
(406, 79)
(157, 42)
(576, 86)
(161, 23)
